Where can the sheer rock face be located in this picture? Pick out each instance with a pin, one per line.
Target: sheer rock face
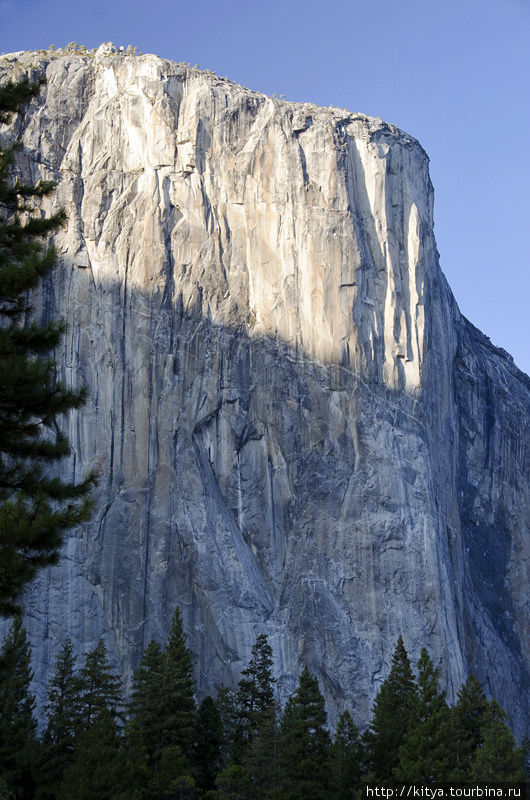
(296, 431)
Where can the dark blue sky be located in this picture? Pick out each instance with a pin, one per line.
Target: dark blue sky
(453, 73)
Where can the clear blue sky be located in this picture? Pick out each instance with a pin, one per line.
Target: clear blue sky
(453, 73)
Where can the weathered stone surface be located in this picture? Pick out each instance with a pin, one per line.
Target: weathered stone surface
(295, 429)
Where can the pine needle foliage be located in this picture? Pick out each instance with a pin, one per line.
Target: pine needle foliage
(18, 728)
(304, 743)
(63, 714)
(101, 688)
(262, 761)
(162, 714)
(64, 699)
(97, 771)
(255, 698)
(179, 689)
(392, 711)
(169, 750)
(346, 758)
(467, 723)
(498, 758)
(425, 754)
(208, 744)
(36, 507)
(147, 707)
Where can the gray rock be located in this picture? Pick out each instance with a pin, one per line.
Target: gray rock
(296, 431)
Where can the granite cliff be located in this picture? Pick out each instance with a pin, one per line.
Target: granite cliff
(296, 431)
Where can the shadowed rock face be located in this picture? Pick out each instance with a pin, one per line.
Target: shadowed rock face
(296, 431)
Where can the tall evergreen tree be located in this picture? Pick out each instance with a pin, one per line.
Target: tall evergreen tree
(256, 687)
(526, 756)
(162, 714)
(208, 744)
(250, 728)
(467, 722)
(173, 778)
(98, 768)
(262, 761)
(36, 507)
(179, 688)
(346, 759)
(63, 714)
(498, 758)
(391, 714)
(255, 698)
(18, 728)
(492, 713)
(226, 703)
(233, 783)
(425, 754)
(147, 706)
(101, 688)
(136, 767)
(304, 743)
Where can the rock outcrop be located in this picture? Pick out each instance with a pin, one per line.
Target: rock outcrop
(296, 431)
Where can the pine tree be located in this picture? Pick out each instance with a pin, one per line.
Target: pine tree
(162, 713)
(492, 713)
(18, 728)
(250, 727)
(262, 761)
(304, 743)
(63, 713)
(526, 756)
(173, 777)
(233, 783)
(179, 688)
(138, 774)
(147, 706)
(346, 759)
(497, 758)
(467, 722)
(101, 689)
(98, 768)
(425, 754)
(256, 687)
(36, 507)
(255, 697)
(391, 714)
(5, 794)
(208, 744)
(226, 703)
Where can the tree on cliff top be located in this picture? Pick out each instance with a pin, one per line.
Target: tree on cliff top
(36, 508)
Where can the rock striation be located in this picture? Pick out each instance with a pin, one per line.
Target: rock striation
(296, 431)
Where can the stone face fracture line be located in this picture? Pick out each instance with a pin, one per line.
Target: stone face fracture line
(296, 431)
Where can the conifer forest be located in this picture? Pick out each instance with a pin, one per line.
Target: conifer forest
(96, 744)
